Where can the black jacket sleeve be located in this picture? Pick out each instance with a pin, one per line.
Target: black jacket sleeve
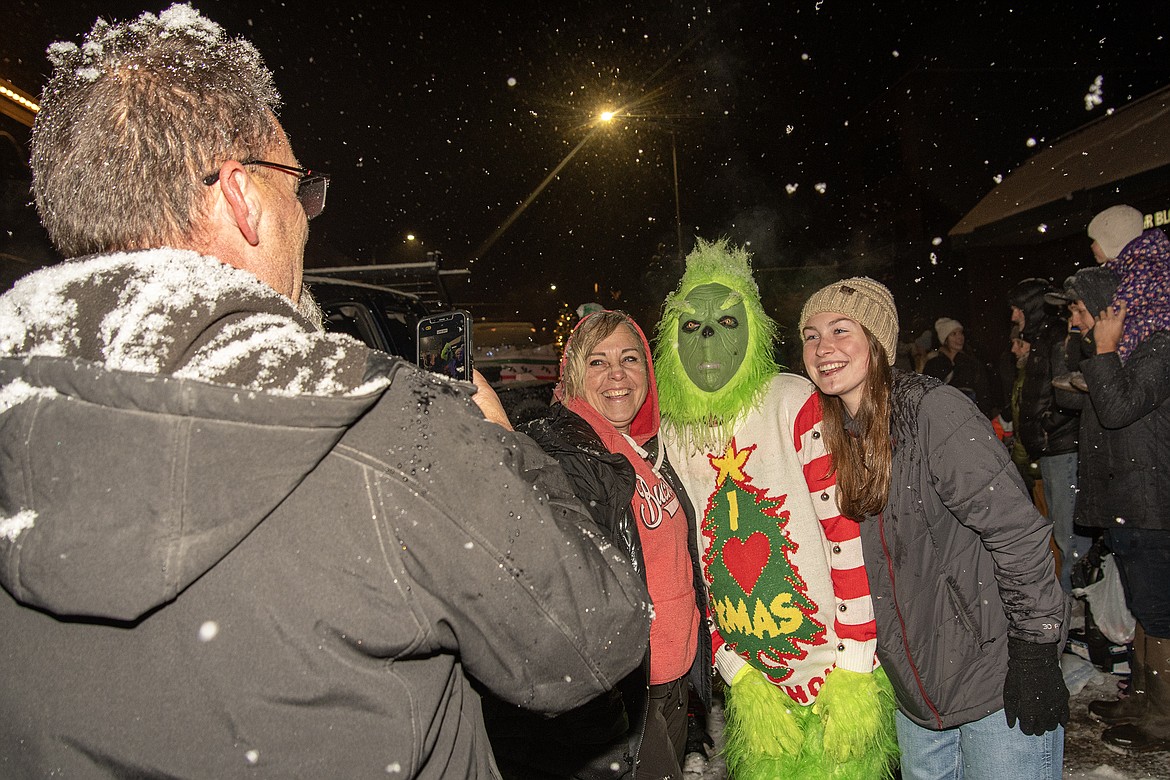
(1123, 394)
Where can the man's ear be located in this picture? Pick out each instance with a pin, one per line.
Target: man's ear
(242, 199)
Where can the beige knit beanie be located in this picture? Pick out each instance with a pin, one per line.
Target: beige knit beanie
(862, 299)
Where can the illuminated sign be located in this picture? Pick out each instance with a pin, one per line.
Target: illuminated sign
(17, 103)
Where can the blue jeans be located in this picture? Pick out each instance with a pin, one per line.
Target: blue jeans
(1059, 473)
(1143, 561)
(983, 750)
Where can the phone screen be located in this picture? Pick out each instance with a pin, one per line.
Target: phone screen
(444, 344)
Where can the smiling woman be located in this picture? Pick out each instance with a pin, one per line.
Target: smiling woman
(615, 378)
(837, 356)
(604, 433)
(955, 553)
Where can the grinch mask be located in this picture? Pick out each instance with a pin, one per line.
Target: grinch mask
(699, 401)
(712, 335)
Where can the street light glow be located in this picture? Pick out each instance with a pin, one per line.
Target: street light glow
(605, 116)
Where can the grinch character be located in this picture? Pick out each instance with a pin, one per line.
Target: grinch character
(792, 624)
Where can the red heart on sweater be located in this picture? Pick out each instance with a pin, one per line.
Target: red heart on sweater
(746, 559)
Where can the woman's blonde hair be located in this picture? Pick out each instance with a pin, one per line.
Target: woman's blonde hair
(862, 461)
(591, 331)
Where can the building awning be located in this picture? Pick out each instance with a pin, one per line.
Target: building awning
(1122, 157)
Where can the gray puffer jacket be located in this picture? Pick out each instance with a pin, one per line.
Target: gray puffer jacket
(957, 562)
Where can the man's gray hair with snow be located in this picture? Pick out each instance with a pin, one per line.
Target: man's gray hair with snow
(134, 118)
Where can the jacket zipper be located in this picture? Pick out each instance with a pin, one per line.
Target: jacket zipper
(901, 622)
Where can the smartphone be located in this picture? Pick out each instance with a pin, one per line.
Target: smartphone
(444, 344)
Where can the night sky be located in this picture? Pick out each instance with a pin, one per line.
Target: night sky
(836, 137)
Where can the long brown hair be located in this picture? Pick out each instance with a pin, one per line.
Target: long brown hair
(862, 462)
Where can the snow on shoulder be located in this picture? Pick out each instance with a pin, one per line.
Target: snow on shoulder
(171, 311)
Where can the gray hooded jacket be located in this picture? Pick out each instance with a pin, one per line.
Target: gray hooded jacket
(232, 545)
(958, 561)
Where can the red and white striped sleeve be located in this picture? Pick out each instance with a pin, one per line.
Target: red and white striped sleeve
(854, 621)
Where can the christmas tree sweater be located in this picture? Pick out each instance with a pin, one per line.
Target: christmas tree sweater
(784, 570)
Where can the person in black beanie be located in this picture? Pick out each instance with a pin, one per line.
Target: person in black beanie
(1086, 293)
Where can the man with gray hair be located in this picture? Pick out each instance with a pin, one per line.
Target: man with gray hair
(229, 542)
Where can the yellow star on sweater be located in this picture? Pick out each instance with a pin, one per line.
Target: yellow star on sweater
(730, 464)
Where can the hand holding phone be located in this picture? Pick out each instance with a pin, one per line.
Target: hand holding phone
(488, 402)
(444, 344)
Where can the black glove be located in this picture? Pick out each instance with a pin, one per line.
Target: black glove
(1034, 690)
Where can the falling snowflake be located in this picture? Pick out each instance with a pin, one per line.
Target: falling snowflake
(820, 187)
(791, 188)
(1095, 97)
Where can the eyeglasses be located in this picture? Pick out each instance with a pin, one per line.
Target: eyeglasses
(311, 185)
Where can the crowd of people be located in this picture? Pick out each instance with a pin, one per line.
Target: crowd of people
(1085, 412)
(233, 543)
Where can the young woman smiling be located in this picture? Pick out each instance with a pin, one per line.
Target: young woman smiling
(970, 616)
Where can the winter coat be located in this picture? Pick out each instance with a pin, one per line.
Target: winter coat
(1125, 438)
(1046, 427)
(237, 577)
(604, 482)
(1043, 426)
(958, 561)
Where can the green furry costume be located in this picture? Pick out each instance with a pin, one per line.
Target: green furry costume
(703, 418)
(845, 729)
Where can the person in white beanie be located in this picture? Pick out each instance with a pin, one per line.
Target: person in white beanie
(1141, 261)
(970, 616)
(1113, 229)
(958, 368)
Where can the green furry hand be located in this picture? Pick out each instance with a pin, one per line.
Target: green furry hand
(760, 715)
(857, 711)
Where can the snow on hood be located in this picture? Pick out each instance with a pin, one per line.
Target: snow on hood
(134, 454)
(170, 311)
